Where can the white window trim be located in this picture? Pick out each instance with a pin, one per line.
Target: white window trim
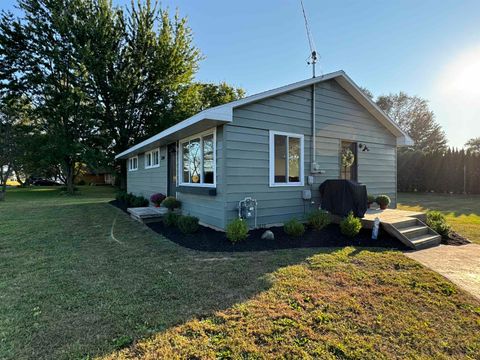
(180, 182)
(129, 161)
(151, 153)
(272, 159)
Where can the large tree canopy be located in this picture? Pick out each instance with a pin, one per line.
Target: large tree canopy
(413, 115)
(102, 78)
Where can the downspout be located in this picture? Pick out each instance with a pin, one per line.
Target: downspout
(313, 165)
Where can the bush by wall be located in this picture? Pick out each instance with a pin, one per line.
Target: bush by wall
(237, 230)
(318, 219)
(294, 228)
(350, 226)
(187, 224)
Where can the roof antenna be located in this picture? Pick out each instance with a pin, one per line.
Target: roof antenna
(312, 59)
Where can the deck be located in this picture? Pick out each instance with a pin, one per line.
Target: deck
(390, 216)
(407, 226)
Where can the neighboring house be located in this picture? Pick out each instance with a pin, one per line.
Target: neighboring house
(100, 177)
(262, 147)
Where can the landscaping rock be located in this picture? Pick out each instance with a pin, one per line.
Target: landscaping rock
(268, 235)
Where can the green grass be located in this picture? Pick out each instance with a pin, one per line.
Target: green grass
(71, 288)
(461, 211)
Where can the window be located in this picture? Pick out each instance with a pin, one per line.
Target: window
(133, 163)
(286, 159)
(152, 159)
(197, 160)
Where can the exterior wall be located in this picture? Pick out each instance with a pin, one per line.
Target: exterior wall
(146, 182)
(338, 117)
(210, 210)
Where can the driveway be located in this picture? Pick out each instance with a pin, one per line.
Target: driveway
(459, 264)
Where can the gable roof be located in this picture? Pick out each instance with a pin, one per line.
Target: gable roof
(223, 114)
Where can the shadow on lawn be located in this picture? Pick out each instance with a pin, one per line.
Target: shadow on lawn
(74, 291)
(452, 204)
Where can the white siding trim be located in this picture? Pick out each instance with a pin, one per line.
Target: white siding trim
(180, 182)
(130, 163)
(271, 147)
(150, 153)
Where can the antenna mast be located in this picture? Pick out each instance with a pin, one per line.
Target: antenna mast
(312, 59)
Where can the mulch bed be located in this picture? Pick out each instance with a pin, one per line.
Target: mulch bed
(455, 239)
(207, 239)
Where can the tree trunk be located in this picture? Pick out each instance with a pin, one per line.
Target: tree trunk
(2, 193)
(70, 177)
(123, 175)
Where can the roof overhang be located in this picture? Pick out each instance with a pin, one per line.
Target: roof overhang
(202, 121)
(223, 114)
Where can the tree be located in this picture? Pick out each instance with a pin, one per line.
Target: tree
(48, 73)
(413, 115)
(138, 61)
(473, 145)
(200, 96)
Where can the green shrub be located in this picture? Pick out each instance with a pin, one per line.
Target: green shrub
(237, 230)
(294, 228)
(437, 221)
(171, 203)
(170, 219)
(318, 219)
(383, 200)
(187, 224)
(138, 201)
(81, 183)
(350, 226)
(121, 195)
(370, 199)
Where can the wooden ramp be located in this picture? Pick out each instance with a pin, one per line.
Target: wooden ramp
(407, 226)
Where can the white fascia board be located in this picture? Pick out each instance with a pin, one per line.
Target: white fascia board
(219, 113)
(402, 138)
(224, 113)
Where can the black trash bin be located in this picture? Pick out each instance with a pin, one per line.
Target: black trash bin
(339, 197)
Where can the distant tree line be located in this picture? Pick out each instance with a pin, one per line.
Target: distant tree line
(429, 165)
(82, 80)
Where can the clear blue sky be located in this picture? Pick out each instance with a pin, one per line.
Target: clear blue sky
(427, 48)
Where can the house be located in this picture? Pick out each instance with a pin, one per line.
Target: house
(263, 147)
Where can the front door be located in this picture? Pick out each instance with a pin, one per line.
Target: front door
(172, 169)
(351, 172)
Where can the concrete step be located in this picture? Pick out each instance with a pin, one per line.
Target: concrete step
(426, 241)
(405, 223)
(414, 231)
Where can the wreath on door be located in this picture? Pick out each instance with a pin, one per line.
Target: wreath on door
(347, 160)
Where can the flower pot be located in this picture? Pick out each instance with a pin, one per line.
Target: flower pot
(383, 207)
(157, 205)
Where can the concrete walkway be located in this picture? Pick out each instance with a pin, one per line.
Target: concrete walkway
(459, 264)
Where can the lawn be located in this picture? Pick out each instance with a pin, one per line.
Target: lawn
(462, 211)
(79, 278)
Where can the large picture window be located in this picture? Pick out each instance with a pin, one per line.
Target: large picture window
(286, 159)
(197, 160)
(152, 159)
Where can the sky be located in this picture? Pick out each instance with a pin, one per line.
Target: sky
(425, 48)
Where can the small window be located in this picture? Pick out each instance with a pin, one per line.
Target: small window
(133, 163)
(152, 159)
(197, 160)
(286, 159)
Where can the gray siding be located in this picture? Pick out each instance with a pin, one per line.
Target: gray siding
(209, 209)
(146, 182)
(338, 117)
